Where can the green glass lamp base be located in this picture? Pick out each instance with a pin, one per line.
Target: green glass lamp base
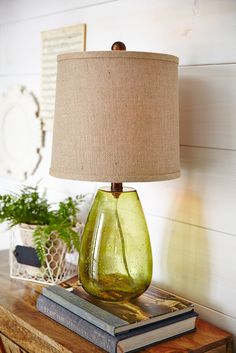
(115, 255)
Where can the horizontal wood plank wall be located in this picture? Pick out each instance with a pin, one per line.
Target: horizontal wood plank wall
(204, 195)
(32, 82)
(192, 219)
(198, 264)
(195, 262)
(16, 11)
(208, 106)
(199, 32)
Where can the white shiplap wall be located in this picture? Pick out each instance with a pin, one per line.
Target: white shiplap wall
(192, 220)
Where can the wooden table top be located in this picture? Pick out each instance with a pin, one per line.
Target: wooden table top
(35, 333)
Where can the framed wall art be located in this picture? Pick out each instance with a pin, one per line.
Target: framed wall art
(54, 42)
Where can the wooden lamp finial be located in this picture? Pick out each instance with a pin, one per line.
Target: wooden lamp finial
(118, 46)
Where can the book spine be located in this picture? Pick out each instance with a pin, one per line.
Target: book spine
(81, 307)
(77, 324)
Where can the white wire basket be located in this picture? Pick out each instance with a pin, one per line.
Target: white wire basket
(60, 264)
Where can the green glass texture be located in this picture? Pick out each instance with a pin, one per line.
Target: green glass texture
(115, 255)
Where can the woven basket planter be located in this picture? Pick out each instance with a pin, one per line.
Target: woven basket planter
(60, 263)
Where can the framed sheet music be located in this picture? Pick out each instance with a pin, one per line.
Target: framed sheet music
(54, 42)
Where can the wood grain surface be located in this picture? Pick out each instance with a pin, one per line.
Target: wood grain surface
(34, 333)
(7, 346)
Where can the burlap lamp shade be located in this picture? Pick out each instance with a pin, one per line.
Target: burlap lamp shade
(116, 117)
(116, 120)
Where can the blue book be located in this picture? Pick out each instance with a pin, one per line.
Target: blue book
(124, 342)
(116, 317)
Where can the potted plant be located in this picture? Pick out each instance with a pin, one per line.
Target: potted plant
(44, 236)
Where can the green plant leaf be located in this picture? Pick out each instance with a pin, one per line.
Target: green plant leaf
(29, 207)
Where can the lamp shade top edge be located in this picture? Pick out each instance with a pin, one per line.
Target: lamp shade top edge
(118, 54)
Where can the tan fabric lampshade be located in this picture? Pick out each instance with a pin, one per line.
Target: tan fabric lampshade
(116, 117)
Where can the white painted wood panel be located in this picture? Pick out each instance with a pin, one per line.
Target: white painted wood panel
(21, 10)
(32, 82)
(198, 32)
(204, 195)
(195, 263)
(1, 46)
(208, 106)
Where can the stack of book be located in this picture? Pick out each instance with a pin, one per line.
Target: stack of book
(118, 327)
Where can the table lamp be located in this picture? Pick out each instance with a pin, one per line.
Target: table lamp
(116, 120)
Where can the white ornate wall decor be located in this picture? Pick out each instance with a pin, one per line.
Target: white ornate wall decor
(54, 42)
(20, 133)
